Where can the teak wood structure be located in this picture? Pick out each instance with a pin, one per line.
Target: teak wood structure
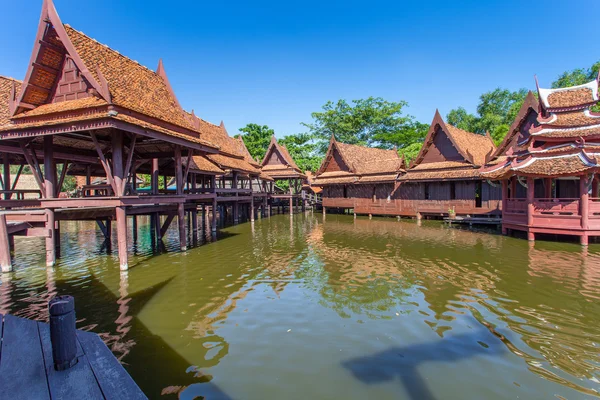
(279, 165)
(548, 164)
(443, 179)
(94, 112)
(360, 178)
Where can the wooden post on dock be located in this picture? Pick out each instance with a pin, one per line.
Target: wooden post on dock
(213, 183)
(120, 212)
(63, 334)
(235, 205)
(5, 260)
(49, 186)
(251, 208)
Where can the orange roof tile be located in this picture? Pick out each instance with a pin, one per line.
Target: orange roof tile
(131, 85)
(6, 85)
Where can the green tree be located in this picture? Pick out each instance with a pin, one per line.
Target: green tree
(303, 150)
(411, 151)
(496, 111)
(256, 138)
(577, 76)
(368, 122)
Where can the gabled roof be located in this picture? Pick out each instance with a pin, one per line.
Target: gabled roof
(474, 148)
(284, 167)
(244, 151)
(573, 97)
(8, 87)
(108, 82)
(364, 164)
(531, 104)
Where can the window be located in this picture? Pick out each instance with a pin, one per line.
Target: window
(427, 196)
(452, 191)
(345, 192)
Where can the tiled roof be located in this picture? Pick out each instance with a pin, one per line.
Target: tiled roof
(572, 164)
(576, 132)
(6, 85)
(243, 150)
(572, 118)
(63, 106)
(379, 178)
(440, 165)
(475, 145)
(473, 148)
(569, 97)
(227, 162)
(368, 160)
(287, 169)
(201, 164)
(131, 85)
(441, 174)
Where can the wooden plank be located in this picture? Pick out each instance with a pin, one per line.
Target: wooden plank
(78, 382)
(114, 381)
(22, 370)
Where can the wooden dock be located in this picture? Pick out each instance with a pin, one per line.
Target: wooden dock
(27, 366)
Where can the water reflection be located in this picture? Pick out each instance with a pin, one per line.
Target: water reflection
(353, 306)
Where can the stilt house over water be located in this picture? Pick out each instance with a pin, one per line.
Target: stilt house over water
(359, 178)
(548, 164)
(444, 178)
(96, 112)
(279, 165)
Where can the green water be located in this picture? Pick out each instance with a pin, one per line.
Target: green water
(303, 308)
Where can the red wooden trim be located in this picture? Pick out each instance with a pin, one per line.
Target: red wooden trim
(105, 165)
(61, 180)
(129, 159)
(34, 171)
(14, 185)
(160, 71)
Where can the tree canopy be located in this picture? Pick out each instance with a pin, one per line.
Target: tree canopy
(303, 150)
(373, 122)
(496, 111)
(256, 138)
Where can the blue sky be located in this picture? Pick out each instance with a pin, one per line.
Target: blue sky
(274, 63)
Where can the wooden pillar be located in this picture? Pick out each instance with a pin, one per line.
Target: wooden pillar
(251, 208)
(595, 187)
(134, 228)
(6, 176)
(50, 184)
(235, 206)
(122, 237)
(117, 162)
(504, 200)
(548, 188)
(584, 204)
(154, 176)
(5, 260)
(195, 218)
(121, 214)
(178, 171)
(88, 175)
(181, 224)
(530, 208)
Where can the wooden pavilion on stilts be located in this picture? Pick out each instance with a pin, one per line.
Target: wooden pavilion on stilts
(548, 164)
(94, 112)
(279, 165)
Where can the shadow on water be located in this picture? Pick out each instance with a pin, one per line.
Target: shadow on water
(402, 362)
(149, 352)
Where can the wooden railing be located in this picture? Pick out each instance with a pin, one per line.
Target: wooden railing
(556, 206)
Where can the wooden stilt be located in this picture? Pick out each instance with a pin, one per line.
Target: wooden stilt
(6, 176)
(50, 188)
(181, 224)
(122, 237)
(252, 209)
(194, 217)
(134, 228)
(5, 260)
(154, 177)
